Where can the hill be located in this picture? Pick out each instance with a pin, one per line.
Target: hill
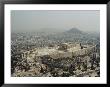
(74, 31)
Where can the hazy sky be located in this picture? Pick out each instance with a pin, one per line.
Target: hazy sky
(22, 20)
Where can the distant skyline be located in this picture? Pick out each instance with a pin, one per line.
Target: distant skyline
(54, 20)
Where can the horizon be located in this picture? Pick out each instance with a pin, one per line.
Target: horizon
(47, 30)
(34, 20)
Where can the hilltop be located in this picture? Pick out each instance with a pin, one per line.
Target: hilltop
(74, 31)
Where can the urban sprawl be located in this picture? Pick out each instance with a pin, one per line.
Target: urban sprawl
(67, 54)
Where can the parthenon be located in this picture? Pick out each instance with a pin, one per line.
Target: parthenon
(57, 52)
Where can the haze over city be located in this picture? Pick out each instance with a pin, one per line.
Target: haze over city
(55, 43)
(45, 20)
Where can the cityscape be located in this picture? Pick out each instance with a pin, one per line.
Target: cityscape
(52, 52)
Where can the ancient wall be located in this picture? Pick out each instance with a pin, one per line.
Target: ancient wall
(61, 55)
(71, 54)
(58, 54)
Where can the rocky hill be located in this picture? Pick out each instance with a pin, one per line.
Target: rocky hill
(74, 31)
